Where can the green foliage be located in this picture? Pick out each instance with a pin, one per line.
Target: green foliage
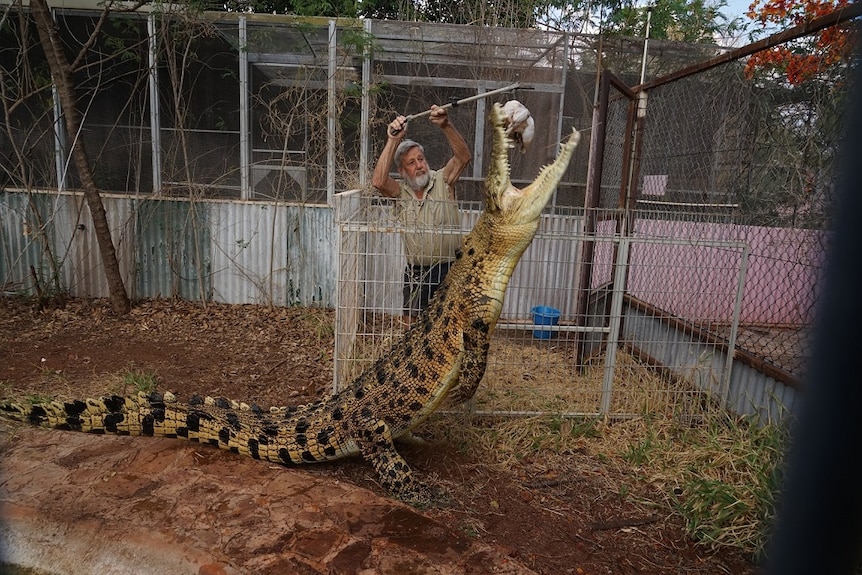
(795, 130)
(387, 10)
(359, 42)
(328, 8)
(293, 295)
(124, 39)
(711, 507)
(680, 20)
(696, 21)
(512, 13)
(727, 496)
(38, 398)
(641, 452)
(139, 380)
(51, 372)
(574, 427)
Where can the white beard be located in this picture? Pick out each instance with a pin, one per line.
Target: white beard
(419, 182)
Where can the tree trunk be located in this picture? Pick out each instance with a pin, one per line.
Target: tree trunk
(61, 72)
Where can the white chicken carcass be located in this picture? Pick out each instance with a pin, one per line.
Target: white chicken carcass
(520, 127)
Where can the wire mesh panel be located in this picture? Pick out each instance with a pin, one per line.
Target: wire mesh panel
(693, 143)
(542, 287)
(199, 110)
(371, 300)
(305, 103)
(614, 161)
(677, 290)
(723, 159)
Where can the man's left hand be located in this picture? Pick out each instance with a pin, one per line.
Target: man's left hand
(439, 116)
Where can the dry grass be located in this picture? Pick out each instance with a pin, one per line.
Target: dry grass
(721, 475)
(546, 379)
(718, 472)
(535, 376)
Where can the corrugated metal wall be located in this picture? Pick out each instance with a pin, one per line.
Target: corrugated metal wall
(544, 276)
(231, 252)
(692, 356)
(53, 234)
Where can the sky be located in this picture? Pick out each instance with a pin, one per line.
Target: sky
(736, 8)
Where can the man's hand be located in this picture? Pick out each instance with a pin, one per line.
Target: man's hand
(439, 116)
(397, 128)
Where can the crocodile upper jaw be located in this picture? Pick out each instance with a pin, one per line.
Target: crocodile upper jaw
(505, 202)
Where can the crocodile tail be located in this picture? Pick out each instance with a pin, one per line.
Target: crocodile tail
(19, 412)
(67, 415)
(132, 415)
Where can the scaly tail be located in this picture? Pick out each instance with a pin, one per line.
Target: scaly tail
(133, 415)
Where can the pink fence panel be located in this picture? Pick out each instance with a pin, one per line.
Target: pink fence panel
(699, 282)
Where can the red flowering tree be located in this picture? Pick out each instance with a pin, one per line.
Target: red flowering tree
(799, 101)
(808, 57)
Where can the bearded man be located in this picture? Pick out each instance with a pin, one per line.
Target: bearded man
(425, 205)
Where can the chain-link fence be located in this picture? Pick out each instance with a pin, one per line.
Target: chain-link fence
(234, 106)
(723, 158)
(691, 278)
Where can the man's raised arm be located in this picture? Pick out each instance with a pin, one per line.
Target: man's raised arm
(460, 152)
(380, 179)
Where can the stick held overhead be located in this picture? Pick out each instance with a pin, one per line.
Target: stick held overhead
(466, 100)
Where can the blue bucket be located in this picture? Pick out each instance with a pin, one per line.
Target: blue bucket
(544, 315)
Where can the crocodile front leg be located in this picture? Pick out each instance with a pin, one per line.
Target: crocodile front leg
(378, 448)
(476, 345)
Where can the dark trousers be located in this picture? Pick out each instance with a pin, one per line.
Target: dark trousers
(420, 283)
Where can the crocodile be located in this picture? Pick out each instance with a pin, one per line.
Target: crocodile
(442, 356)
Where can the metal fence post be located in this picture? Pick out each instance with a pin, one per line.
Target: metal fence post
(620, 272)
(734, 327)
(331, 108)
(244, 113)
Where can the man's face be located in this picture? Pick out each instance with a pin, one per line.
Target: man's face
(414, 168)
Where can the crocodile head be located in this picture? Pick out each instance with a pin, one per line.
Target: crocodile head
(504, 202)
(511, 215)
(506, 226)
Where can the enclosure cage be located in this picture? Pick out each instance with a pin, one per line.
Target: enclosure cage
(677, 264)
(280, 108)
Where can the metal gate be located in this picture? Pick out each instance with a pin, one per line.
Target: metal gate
(650, 314)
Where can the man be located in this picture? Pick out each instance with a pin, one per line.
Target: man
(426, 205)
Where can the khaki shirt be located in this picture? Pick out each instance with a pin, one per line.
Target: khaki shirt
(432, 225)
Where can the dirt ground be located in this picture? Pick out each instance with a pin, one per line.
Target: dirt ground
(580, 516)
